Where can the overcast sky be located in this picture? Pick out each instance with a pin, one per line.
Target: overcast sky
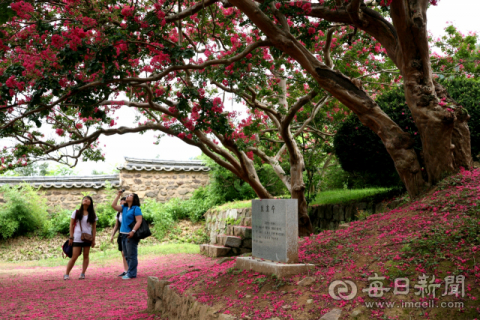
(463, 14)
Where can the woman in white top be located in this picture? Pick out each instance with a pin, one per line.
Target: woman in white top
(84, 220)
(118, 223)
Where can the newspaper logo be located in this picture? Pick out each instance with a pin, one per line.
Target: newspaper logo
(342, 289)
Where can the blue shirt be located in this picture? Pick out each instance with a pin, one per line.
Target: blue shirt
(128, 216)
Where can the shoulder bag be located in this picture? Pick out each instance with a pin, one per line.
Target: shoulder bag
(143, 231)
(86, 237)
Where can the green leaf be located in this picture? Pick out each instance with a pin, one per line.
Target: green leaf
(6, 13)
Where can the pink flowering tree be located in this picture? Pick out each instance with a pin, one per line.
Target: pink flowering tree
(69, 66)
(79, 107)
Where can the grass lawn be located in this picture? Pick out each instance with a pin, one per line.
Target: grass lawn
(324, 197)
(109, 255)
(234, 205)
(345, 195)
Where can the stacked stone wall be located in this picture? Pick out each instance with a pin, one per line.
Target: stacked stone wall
(68, 198)
(323, 217)
(163, 300)
(163, 185)
(159, 185)
(72, 198)
(220, 222)
(330, 216)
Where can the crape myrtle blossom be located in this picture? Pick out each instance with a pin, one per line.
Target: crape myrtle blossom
(173, 90)
(391, 244)
(172, 62)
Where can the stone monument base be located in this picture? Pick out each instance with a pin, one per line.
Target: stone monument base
(272, 267)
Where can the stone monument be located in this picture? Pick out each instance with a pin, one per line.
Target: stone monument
(274, 239)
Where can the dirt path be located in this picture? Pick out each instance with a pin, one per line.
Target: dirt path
(41, 292)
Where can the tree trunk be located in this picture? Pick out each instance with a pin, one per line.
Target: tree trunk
(462, 151)
(442, 125)
(398, 143)
(297, 185)
(305, 227)
(250, 176)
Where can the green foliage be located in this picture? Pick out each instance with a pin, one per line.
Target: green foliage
(61, 170)
(225, 186)
(61, 221)
(42, 169)
(261, 280)
(362, 214)
(6, 13)
(149, 209)
(33, 169)
(177, 235)
(466, 92)
(164, 215)
(162, 220)
(192, 209)
(336, 178)
(105, 213)
(24, 211)
(361, 152)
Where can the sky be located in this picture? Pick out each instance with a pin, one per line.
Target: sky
(463, 14)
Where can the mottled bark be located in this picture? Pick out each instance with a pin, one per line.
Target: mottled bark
(398, 143)
(297, 165)
(442, 125)
(443, 128)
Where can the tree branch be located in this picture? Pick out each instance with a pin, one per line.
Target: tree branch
(326, 48)
(190, 11)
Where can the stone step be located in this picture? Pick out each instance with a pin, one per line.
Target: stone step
(220, 239)
(233, 241)
(243, 232)
(214, 251)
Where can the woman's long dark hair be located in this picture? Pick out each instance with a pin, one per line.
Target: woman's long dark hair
(136, 200)
(91, 212)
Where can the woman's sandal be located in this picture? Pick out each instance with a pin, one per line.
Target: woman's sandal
(66, 277)
(82, 276)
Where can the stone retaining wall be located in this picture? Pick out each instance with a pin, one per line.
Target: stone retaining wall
(329, 216)
(323, 217)
(165, 301)
(218, 222)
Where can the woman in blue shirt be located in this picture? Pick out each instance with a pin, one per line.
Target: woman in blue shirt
(130, 212)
